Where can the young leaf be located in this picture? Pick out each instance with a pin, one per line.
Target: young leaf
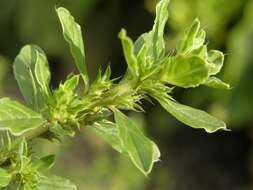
(192, 117)
(73, 35)
(24, 66)
(109, 132)
(158, 28)
(142, 151)
(71, 83)
(42, 72)
(5, 178)
(17, 118)
(193, 38)
(55, 183)
(128, 48)
(65, 93)
(185, 71)
(23, 149)
(153, 40)
(60, 131)
(45, 162)
(214, 82)
(144, 39)
(216, 59)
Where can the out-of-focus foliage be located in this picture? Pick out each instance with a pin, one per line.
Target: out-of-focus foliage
(3, 71)
(239, 69)
(23, 14)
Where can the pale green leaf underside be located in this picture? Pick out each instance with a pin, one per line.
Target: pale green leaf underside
(5, 178)
(192, 117)
(142, 151)
(73, 35)
(55, 183)
(17, 118)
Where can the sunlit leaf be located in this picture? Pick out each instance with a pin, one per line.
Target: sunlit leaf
(192, 117)
(142, 151)
(24, 66)
(45, 162)
(214, 82)
(42, 72)
(73, 35)
(154, 39)
(17, 118)
(193, 39)
(158, 28)
(109, 132)
(185, 71)
(128, 48)
(216, 59)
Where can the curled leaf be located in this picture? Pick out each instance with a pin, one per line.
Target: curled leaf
(214, 82)
(185, 71)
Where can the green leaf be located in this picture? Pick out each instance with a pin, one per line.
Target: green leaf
(45, 162)
(65, 93)
(101, 84)
(142, 151)
(71, 84)
(73, 35)
(154, 40)
(144, 39)
(61, 131)
(185, 71)
(55, 183)
(24, 66)
(42, 72)
(192, 117)
(128, 48)
(22, 154)
(193, 39)
(200, 52)
(23, 149)
(216, 59)
(109, 132)
(214, 82)
(5, 178)
(17, 118)
(158, 28)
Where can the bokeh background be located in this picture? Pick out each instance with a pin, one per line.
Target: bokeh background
(191, 159)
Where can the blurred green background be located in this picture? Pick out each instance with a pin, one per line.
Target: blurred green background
(191, 159)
